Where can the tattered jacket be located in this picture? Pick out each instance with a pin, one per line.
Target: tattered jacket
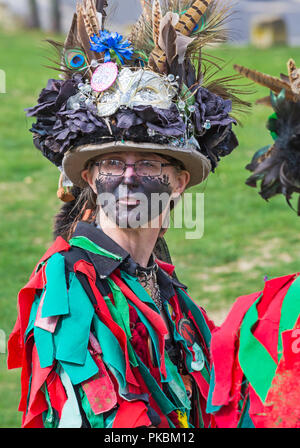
(91, 342)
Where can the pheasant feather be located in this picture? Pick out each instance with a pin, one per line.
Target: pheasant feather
(273, 83)
(156, 20)
(190, 19)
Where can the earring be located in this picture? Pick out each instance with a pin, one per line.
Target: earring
(64, 196)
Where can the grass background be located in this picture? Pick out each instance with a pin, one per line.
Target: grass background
(245, 238)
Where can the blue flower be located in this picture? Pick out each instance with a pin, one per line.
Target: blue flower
(112, 42)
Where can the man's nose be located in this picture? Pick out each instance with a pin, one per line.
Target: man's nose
(130, 176)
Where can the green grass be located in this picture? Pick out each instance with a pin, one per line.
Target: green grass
(245, 238)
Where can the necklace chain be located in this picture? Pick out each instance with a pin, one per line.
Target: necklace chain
(152, 289)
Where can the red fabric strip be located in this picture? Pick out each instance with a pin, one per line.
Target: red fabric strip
(272, 287)
(169, 268)
(267, 328)
(131, 414)
(37, 401)
(100, 390)
(156, 320)
(201, 383)
(223, 348)
(57, 393)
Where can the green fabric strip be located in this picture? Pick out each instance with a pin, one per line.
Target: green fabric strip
(113, 355)
(86, 244)
(165, 405)
(56, 304)
(72, 337)
(33, 313)
(138, 290)
(45, 346)
(210, 409)
(117, 317)
(43, 339)
(177, 388)
(50, 417)
(79, 373)
(70, 416)
(121, 306)
(245, 419)
(257, 364)
(201, 422)
(290, 312)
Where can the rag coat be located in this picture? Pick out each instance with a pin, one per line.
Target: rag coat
(96, 352)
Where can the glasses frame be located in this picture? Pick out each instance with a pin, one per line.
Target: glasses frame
(98, 164)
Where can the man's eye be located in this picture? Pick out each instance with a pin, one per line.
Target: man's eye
(113, 163)
(146, 163)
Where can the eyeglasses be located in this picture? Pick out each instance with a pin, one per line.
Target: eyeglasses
(142, 167)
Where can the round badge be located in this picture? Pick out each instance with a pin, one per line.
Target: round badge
(199, 362)
(187, 331)
(104, 76)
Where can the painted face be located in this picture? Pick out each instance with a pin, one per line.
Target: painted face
(131, 200)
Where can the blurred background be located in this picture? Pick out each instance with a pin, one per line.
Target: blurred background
(245, 237)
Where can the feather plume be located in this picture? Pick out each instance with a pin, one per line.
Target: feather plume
(273, 83)
(88, 12)
(190, 19)
(92, 14)
(84, 24)
(141, 35)
(294, 77)
(277, 167)
(292, 68)
(85, 31)
(169, 36)
(158, 61)
(156, 20)
(211, 31)
(146, 8)
(227, 88)
(71, 40)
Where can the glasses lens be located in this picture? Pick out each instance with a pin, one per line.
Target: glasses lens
(148, 168)
(111, 167)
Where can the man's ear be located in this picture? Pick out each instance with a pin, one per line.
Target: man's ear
(182, 181)
(87, 176)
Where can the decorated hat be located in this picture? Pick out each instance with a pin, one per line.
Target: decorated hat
(277, 166)
(150, 92)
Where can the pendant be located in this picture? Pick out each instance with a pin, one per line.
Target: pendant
(199, 362)
(187, 331)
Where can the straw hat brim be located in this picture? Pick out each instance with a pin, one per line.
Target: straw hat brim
(194, 162)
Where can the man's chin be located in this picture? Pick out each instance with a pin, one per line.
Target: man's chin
(128, 220)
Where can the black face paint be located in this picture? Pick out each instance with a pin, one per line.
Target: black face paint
(153, 194)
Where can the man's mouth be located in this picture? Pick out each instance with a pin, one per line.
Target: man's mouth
(129, 201)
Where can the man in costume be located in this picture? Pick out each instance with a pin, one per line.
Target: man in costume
(256, 352)
(106, 335)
